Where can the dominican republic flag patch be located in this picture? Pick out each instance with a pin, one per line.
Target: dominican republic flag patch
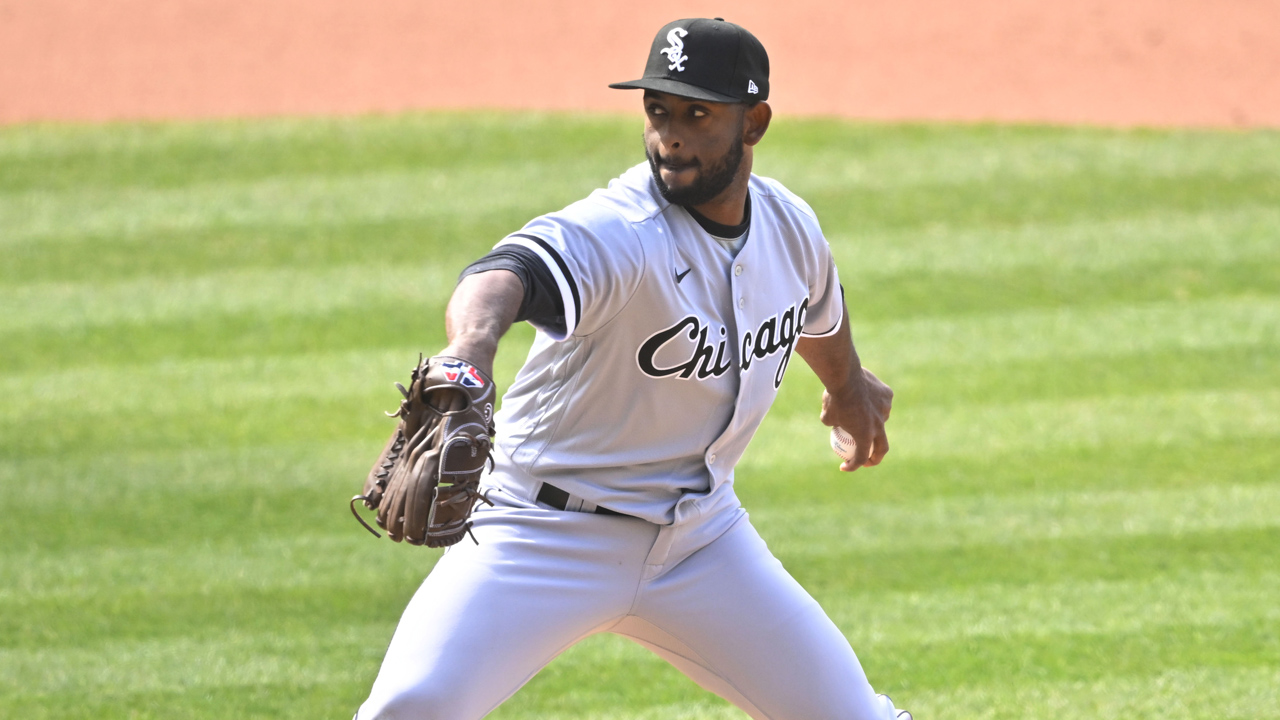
(463, 373)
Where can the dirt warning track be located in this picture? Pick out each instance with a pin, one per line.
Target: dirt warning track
(1139, 62)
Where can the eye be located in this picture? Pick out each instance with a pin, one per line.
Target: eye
(698, 111)
(656, 110)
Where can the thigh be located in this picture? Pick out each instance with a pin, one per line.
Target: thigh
(489, 616)
(734, 620)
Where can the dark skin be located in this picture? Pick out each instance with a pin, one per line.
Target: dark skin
(689, 137)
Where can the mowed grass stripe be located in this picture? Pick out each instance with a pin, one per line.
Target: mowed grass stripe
(197, 612)
(1030, 562)
(53, 593)
(1032, 335)
(165, 154)
(259, 562)
(1162, 418)
(982, 430)
(1251, 644)
(287, 399)
(849, 525)
(1209, 236)
(379, 582)
(280, 292)
(884, 621)
(904, 296)
(64, 305)
(259, 701)
(178, 154)
(129, 476)
(1185, 692)
(872, 156)
(215, 322)
(1070, 332)
(255, 411)
(293, 201)
(158, 664)
(1013, 519)
(1003, 203)
(216, 336)
(218, 385)
(1182, 694)
(233, 658)
(626, 677)
(215, 251)
(1113, 466)
(1241, 367)
(947, 295)
(126, 501)
(225, 383)
(839, 155)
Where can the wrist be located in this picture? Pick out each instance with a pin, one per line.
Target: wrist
(853, 385)
(479, 354)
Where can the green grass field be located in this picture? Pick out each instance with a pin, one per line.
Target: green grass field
(1080, 516)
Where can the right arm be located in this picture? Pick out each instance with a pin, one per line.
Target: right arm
(483, 307)
(854, 398)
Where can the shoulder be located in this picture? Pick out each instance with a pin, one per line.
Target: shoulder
(777, 199)
(784, 210)
(632, 196)
(609, 213)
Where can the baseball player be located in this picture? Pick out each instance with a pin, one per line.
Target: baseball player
(667, 307)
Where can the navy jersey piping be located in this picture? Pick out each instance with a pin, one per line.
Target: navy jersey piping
(564, 270)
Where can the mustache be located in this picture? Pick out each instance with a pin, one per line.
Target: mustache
(659, 161)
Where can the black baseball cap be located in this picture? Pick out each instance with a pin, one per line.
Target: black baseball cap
(705, 59)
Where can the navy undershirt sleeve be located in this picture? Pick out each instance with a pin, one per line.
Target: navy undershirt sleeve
(542, 304)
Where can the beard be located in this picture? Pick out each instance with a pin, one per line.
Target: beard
(712, 179)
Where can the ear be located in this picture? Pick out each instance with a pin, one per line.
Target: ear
(755, 121)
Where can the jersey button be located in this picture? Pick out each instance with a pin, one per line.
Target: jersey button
(742, 302)
(737, 270)
(712, 459)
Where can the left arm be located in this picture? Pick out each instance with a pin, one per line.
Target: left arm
(854, 398)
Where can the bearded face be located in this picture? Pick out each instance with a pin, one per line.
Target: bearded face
(712, 177)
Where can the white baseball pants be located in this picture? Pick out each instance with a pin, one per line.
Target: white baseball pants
(725, 613)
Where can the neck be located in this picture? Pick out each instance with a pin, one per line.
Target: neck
(730, 206)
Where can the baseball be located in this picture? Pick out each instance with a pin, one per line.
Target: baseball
(842, 442)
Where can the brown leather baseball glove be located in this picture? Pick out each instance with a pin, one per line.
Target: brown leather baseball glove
(426, 481)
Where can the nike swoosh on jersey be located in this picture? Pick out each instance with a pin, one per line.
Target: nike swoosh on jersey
(680, 275)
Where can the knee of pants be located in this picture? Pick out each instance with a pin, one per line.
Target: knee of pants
(423, 702)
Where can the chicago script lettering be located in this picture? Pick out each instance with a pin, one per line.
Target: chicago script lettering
(776, 333)
(700, 365)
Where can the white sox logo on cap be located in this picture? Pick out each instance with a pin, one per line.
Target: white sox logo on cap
(729, 63)
(675, 53)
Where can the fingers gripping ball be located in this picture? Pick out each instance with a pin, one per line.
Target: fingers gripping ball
(426, 482)
(842, 442)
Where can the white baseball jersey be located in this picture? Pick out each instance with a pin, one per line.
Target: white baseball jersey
(672, 349)
(670, 353)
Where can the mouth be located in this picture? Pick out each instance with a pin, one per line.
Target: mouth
(671, 170)
(676, 167)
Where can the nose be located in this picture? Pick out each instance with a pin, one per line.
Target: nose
(669, 138)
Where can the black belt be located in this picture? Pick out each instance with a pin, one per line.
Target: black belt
(559, 499)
